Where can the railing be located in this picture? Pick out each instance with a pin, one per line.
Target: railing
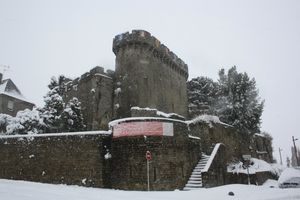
(212, 157)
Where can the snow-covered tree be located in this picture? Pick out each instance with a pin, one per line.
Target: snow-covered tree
(54, 104)
(4, 122)
(72, 119)
(238, 101)
(234, 99)
(26, 122)
(202, 94)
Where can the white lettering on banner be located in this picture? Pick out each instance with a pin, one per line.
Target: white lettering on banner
(153, 128)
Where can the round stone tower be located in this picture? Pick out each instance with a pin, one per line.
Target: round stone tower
(148, 74)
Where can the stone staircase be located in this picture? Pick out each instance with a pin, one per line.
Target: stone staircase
(195, 181)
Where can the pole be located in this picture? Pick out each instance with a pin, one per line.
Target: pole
(248, 175)
(297, 161)
(148, 176)
(280, 155)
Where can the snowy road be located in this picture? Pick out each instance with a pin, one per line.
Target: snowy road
(21, 190)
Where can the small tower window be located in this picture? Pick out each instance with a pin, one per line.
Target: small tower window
(10, 105)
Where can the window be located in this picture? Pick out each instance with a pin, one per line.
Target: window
(10, 105)
(75, 87)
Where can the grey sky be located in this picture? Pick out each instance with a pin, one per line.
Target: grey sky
(39, 39)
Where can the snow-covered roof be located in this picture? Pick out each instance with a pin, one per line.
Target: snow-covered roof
(3, 86)
(7, 87)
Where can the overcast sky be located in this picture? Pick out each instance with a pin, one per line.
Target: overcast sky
(40, 39)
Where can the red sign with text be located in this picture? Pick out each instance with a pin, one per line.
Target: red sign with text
(153, 128)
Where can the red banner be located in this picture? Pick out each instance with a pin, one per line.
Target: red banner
(153, 128)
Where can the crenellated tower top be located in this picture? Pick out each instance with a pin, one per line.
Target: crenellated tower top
(144, 38)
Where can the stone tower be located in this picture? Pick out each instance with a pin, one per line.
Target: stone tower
(148, 74)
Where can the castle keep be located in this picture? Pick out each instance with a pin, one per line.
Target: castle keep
(142, 106)
(148, 74)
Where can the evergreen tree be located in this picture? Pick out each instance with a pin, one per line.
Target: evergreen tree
(234, 99)
(72, 119)
(202, 94)
(54, 104)
(238, 102)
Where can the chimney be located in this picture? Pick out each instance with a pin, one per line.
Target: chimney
(1, 75)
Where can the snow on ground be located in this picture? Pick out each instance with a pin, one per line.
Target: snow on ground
(256, 165)
(22, 190)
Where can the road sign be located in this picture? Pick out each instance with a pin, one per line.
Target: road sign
(148, 155)
(246, 157)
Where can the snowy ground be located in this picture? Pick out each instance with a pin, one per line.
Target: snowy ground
(21, 190)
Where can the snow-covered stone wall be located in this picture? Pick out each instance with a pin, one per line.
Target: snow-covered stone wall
(65, 158)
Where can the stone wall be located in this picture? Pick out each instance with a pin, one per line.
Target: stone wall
(262, 145)
(17, 105)
(257, 179)
(148, 74)
(94, 90)
(173, 159)
(213, 133)
(236, 143)
(52, 158)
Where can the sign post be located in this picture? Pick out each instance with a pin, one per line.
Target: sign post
(148, 158)
(247, 159)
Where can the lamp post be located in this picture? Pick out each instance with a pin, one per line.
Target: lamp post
(295, 139)
(280, 155)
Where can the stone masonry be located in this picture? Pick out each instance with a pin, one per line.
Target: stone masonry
(56, 158)
(94, 90)
(148, 74)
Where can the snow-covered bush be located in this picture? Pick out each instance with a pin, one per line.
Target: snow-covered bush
(72, 119)
(26, 122)
(4, 122)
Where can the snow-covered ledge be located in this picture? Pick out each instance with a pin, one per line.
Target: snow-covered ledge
(208, 119)
(57, 134)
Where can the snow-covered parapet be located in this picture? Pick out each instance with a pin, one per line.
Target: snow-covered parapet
(83, 133)
(208, 119)
(256, 165)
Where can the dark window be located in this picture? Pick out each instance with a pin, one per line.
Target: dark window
(10, 105)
